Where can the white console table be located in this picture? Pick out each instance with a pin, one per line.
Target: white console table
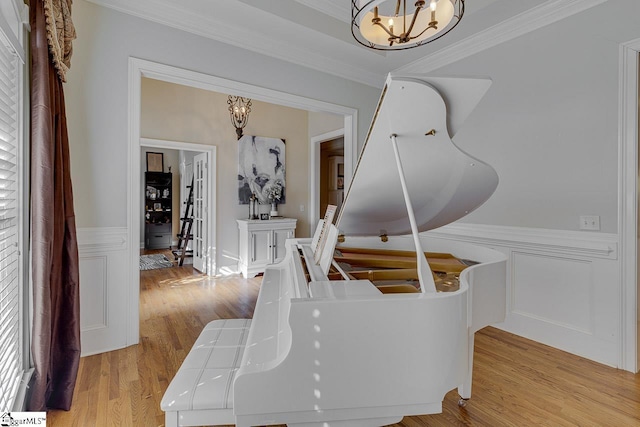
(262, 242)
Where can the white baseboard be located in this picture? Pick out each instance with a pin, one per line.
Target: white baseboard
(563, 287)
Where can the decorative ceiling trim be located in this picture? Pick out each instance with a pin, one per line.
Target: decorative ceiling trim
(336, 10)
(526, 22)
(180, 18)
(165, 13)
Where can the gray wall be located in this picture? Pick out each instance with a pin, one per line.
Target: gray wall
(97, 96)
(549, 123)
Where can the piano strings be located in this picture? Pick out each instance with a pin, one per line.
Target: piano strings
(395, 271)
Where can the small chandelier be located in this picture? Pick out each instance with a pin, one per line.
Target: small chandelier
(387, 25)
(239, 109)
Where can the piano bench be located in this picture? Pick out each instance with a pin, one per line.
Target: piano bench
(201, 393)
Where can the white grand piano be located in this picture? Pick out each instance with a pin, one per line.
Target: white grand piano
(327, 346)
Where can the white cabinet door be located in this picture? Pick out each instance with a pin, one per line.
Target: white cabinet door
(262, 243)
(259, 247)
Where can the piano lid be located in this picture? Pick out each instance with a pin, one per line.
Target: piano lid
(443, 182)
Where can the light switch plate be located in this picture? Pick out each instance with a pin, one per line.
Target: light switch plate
(590, 222)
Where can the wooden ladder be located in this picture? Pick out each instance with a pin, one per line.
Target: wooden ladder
(185, 230)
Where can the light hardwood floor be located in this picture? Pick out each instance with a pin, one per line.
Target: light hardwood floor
(516, 382)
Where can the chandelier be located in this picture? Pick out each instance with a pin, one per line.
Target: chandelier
(388, 25)
(239, 109)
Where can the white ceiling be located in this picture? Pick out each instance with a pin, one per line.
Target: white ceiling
(317, 33)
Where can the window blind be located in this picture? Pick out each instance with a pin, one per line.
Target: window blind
(11, 357)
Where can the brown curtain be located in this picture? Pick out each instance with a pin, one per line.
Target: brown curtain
(55, 341)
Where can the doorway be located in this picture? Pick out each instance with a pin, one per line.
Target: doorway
(331, 182)
(169, 231)
(191, 166)
(349, 148)
(139, 69)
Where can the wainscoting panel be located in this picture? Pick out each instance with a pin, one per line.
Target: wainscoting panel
(542, 286)
(103, 292)
(563, 287)
(93, 283)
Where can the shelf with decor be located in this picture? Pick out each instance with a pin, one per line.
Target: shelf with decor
(158, 213)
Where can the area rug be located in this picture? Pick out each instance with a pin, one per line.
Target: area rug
(152, 262)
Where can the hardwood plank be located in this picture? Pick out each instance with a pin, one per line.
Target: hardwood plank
(102, 395)
(517, 382)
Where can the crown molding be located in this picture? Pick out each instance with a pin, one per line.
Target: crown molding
(526, 22)
(337, 10)
(244, 37)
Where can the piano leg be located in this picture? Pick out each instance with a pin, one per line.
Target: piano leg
(464, 389)
(171, 419)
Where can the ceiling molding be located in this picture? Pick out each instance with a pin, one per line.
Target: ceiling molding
(320, 52)
(335, 9)
(248, 38)
(526, 22)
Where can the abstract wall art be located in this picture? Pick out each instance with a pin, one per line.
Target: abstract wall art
(261, 166)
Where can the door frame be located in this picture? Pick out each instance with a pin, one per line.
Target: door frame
(629, 72)
(139, 68)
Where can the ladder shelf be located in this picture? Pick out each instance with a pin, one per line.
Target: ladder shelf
(185, 235)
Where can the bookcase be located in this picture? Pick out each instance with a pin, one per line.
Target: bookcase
(157, 210)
